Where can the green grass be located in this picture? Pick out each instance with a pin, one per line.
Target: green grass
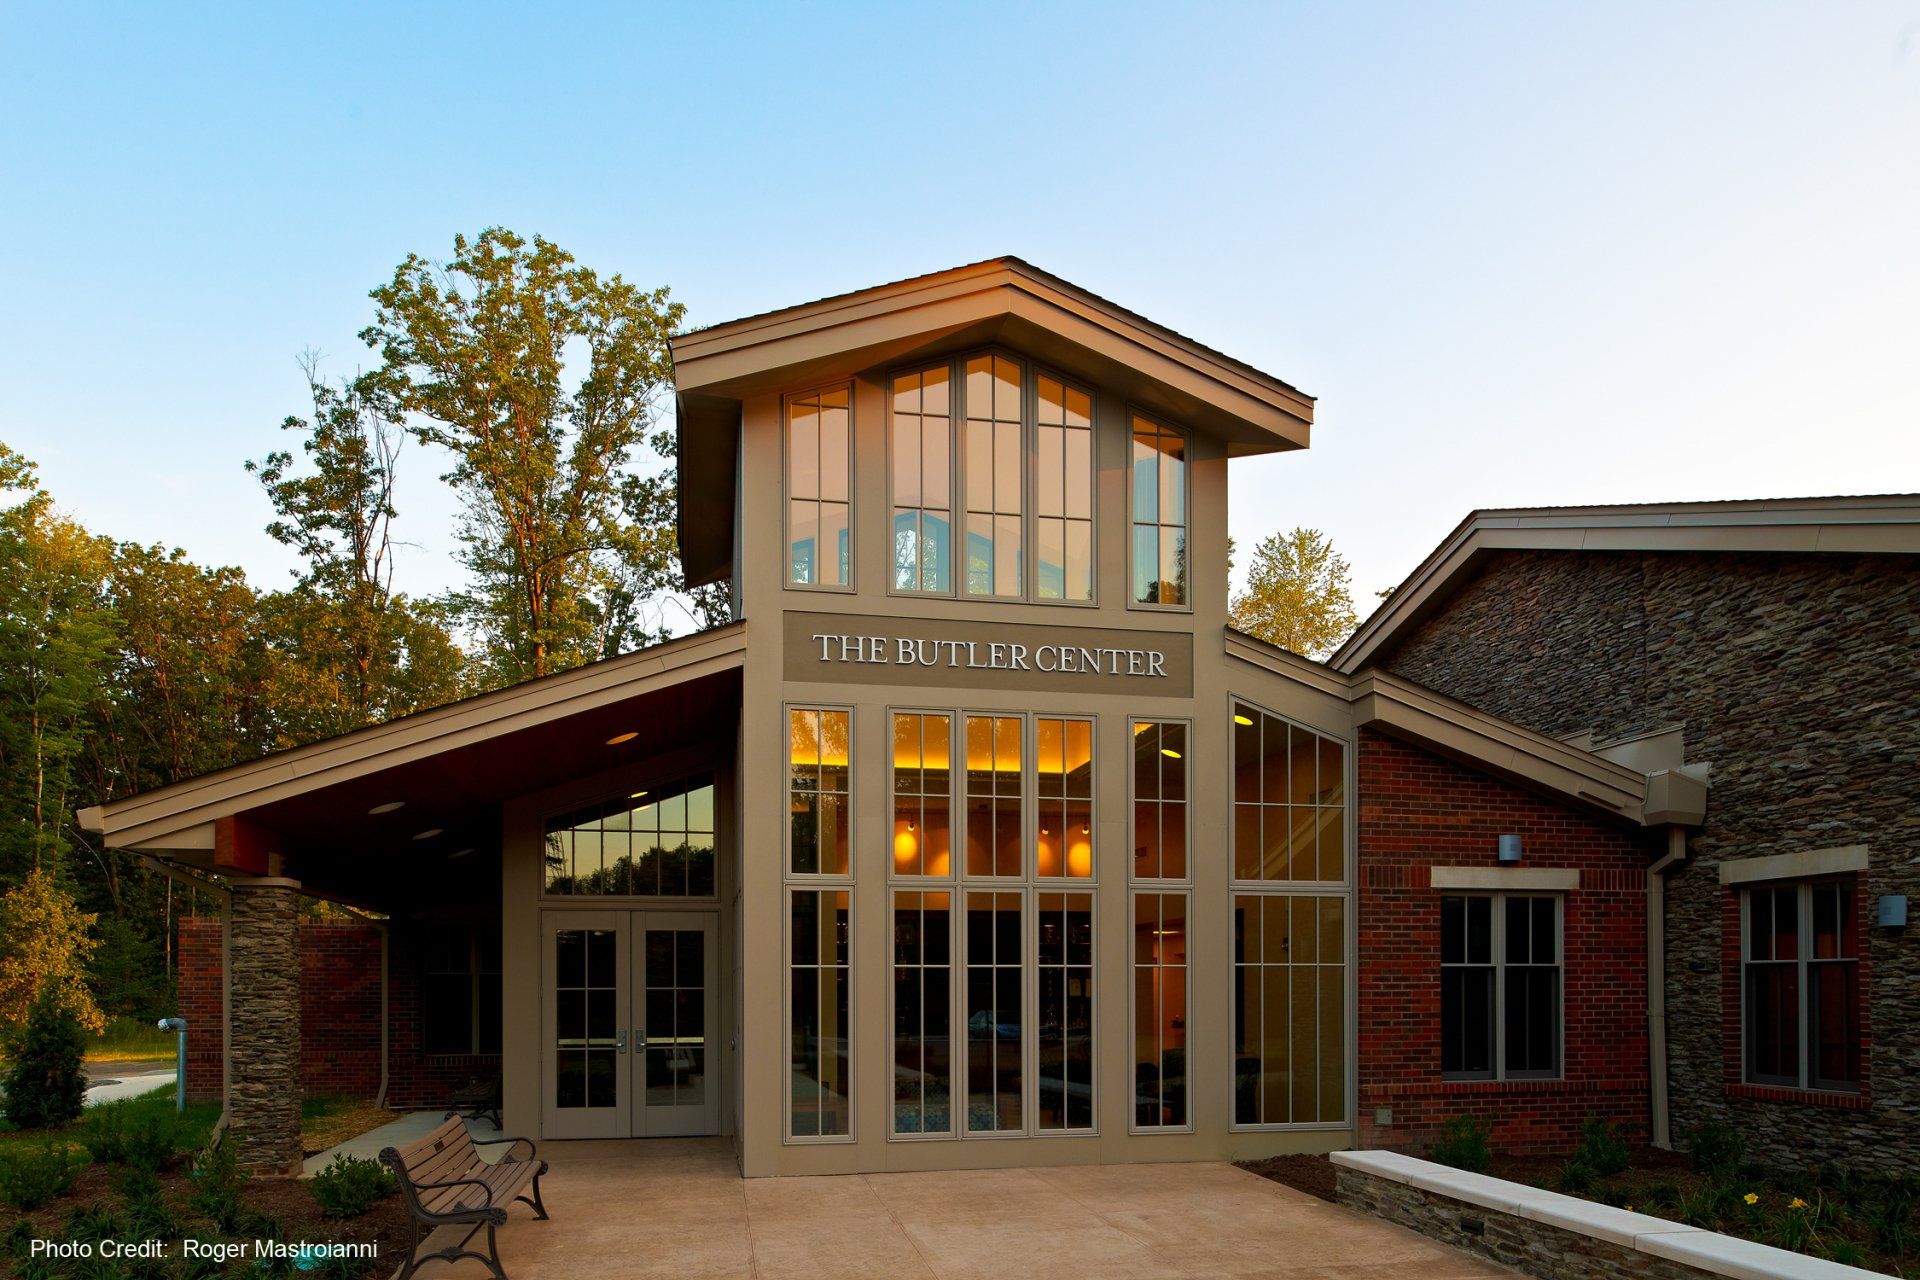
(131, 1040)
(200, 1119)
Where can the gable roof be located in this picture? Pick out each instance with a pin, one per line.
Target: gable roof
(1887, 524)
(1001, 300)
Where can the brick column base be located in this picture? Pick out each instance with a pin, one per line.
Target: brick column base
(263, 1080)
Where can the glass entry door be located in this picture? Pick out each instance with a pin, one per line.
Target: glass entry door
(627, 1002)
(677, 1090)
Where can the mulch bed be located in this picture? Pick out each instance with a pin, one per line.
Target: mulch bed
(1311, 1174)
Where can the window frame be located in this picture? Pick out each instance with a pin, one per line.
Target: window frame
(956, 499)
(1030, 396)
(792, 882)
(475, 975)
(1134, 411)
(1161, 887)
(963, 508)
(1808, 1081)
(1497, 943)
(787, 399)
(1237, 888)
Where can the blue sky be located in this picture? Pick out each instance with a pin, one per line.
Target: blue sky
(1524, 254)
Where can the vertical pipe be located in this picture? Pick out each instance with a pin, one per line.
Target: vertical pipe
(1661, 1123)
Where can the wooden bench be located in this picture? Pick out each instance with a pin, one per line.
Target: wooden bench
(452, 1192)
(477, 1100)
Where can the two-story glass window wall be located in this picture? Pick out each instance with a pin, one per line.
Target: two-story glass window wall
(1290, 922)
(1159, 501)
(993, 1017)
(1160, 890)
(1063, 492)
(819, 875)
(995, 477)
(923, 481)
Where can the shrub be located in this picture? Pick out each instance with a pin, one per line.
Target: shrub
(46, 1086)
(1463, 1144)
(140, 1139)
(1577, 1177)
(1715, 1148)
(349, 1185)
(32, 1175)
(1661, 1197)
(1846, 1253)
(1601, 1148)
(149, 1215)
(218, 1181)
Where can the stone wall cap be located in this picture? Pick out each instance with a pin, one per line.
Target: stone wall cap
(1706, 1250)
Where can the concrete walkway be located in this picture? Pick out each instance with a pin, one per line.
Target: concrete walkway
(119, 1087)
(678, 1209)
(398, 1133)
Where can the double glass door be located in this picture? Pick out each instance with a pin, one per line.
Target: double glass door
(628, 1005)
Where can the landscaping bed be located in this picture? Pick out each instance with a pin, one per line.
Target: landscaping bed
(1845, 1215)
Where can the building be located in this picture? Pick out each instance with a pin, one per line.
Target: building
(1772, 648)
(977, 839)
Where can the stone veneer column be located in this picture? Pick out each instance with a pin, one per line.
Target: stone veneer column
(263, 1024)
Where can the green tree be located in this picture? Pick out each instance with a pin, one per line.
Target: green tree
(1298, 594)
(57, 633)
(476, 352)
(46, 947)
(46, 1085)
(349, 650)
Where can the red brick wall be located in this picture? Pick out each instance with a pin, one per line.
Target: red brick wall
(416, 1079)
(339, 1007)
(1417, 811)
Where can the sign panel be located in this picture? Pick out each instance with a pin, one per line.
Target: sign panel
(840, 648)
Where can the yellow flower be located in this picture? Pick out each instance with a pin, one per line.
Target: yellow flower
(1751, 1198)
(1797, 1203)
(1629, 1208)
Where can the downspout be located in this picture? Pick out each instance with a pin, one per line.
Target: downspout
(1657, 983)
(380, 1099)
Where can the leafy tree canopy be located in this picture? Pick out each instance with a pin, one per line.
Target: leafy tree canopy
(1298, 594)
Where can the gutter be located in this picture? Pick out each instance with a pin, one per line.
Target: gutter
(1661, 1119)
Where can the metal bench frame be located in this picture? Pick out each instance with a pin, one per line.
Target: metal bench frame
(489, 1215)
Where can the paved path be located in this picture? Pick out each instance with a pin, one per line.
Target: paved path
(398, 1133)
(678, 1209)
(115, 1088)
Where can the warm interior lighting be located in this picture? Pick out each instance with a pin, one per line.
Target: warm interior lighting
(1169, 753)
(636, 795)
(1080, 858)
(1240, 719)
(906, 849)
(388, 807)
(619, 738)
(428, 834)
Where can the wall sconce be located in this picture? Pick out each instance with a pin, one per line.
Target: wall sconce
(1509, 849)
(1890, 911)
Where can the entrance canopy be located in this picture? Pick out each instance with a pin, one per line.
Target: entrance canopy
(375, 816)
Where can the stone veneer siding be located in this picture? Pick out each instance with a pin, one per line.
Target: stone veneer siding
(1797, 679)
(1534, 1248)
(263, 1088)
(1418, 811)
(340, 1026)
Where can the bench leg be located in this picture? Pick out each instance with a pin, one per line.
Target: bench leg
(539, 1209)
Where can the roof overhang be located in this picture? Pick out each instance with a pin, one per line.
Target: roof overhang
(450, 766)
(1003, 301)
(1878, 525)
(1408, 711)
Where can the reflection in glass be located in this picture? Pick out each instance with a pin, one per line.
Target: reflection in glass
(922, 1013)
(586, 1021)
(1159, 501)
(818, 1025)
(922, 482)
(818, 483)
(1063, 1040)
(819, 804)
(674, 1023)
(922, 794)
(1289, 1008)
(1289, 789)
(1063, 492)
(994, 497)
(993, 1013)
(658, 842)
(1159, 800)
(1063, 767)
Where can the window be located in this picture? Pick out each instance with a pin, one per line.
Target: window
(995, 450)
(656, 842)
(1160, 995)
(1500, 986)
(1159, 514)
(923, 481)
(819, 464)
(1063, 492)
(1801, 982)
(993, 977)
(460, 988)
(1289, 800)
(820, 1070)
(1159, 1010)
(818, 802)
(923, 1013)
(1289, 1001)
(1289, 928)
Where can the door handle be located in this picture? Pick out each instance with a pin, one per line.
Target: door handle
(620, 1040)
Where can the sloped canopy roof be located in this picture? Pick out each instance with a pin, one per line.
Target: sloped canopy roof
(1002, 300)
(1883, 524)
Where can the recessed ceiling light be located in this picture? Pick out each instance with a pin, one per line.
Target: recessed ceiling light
(388, 807)
(619, 738)
(458, 853)
(636, 795)
(428, 834)
(1240, 719)
(1170, 753)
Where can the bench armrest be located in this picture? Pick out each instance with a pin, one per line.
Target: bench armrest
(457, 1182)
(494, 1142)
